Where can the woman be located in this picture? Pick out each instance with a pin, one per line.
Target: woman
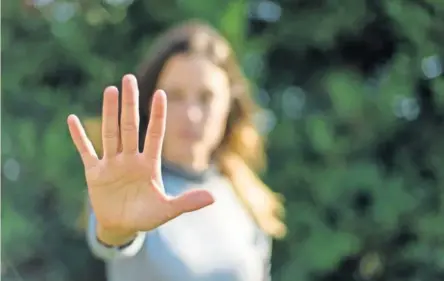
(176, 198)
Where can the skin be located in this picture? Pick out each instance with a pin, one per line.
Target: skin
(199, 99)
(125, 187)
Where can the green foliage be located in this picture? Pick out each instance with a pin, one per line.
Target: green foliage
(356, 149)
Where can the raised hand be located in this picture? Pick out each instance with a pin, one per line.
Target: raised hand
(125, 186)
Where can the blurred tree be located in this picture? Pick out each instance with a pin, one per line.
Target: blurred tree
(354, 88)
(357, 89)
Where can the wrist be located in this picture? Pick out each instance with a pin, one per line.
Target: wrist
(114, 238)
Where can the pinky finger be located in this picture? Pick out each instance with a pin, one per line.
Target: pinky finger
(81, 141)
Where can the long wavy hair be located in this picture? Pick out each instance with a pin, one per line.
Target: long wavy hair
(241, 154)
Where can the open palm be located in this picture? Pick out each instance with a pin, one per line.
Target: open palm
(125, 186)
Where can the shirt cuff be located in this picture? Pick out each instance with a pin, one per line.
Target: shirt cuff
(112, 252)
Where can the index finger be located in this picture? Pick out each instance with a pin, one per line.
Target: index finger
(156, 127)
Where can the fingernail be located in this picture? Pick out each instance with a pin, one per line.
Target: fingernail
(130, 77)
(205, 198)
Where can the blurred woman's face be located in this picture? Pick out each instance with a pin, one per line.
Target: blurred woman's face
(198, 96)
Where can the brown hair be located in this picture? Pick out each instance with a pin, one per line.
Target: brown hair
(241, 152)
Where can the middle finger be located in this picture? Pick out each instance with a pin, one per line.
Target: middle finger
(129, 122)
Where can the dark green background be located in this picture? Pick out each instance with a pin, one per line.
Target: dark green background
(353, 90)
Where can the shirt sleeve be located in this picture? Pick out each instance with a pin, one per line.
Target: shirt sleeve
(264, 244)
(267, 260)
(105, 252)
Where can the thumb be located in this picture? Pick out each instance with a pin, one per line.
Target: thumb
(190, 201)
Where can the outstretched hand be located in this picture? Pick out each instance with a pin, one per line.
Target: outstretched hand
(125, 186)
